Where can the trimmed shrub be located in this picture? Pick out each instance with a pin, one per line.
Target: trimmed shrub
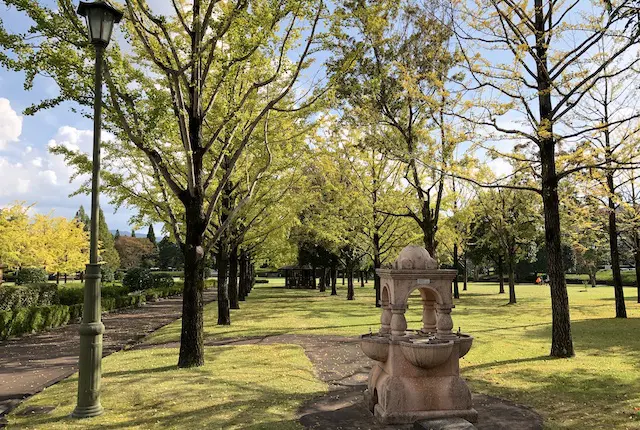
(75, 312)
(118, 275)
(114, 291)
(33, 319)
(162, 280)
(31, 275)
(25, 296)
(107, 273)
(137, 279)
(71, 296)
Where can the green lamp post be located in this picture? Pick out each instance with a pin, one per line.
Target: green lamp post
(100, 17)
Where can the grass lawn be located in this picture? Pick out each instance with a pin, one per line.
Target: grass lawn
(597, 389)
(240, 387)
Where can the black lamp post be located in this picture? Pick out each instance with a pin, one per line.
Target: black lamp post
(100, 18)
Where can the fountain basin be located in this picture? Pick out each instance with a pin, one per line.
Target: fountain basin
(465, 343)
(375, 347)
(427, 354)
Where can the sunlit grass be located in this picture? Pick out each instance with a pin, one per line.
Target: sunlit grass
(597, 389)
(240, 387)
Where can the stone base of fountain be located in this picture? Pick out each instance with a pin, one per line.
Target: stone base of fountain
(418, 381)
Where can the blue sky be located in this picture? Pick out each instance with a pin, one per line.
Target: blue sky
(27, 171)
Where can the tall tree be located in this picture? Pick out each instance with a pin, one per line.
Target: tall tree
(108, 253)
(182, 83)
(511, 219)
(537, 76)
(151, 235)
(396, 85)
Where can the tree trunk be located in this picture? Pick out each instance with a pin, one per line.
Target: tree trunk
(350, 290)
(192, 334)
(58, 278)
(512, 283)
(323, 275)
(376, 265)
(465, 277)
(636, 256)
(343, 275)
(313, 278)
(334, 281)
(361, 279)
(65, 278)
(561, 341)
(621, 311)
(233, 279)
(242, 283)
(456, 291)
(501, 274)
(592, 277)
(224, 317)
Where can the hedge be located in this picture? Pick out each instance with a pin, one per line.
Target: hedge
(31, 275)
(138, 279)
(25, 296)
(30, 319)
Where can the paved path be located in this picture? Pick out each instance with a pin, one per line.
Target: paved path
(31, 363)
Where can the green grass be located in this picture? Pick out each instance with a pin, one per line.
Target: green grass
(597, 389)
(239, 387)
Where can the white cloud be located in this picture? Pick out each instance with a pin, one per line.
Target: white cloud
(500, 167)
(39, 176)
(10, 124)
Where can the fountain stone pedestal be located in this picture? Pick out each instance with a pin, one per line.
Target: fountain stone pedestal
(416, 374)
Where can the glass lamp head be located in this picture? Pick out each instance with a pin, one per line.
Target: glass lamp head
(100, 17)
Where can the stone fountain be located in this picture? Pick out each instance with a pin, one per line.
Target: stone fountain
(416, 375)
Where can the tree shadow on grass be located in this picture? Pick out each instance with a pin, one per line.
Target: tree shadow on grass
(257, 394)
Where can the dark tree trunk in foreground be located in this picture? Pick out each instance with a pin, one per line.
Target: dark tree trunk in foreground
(350, 290)
(343, 276)
(456, 291)
(512, 281)
(561, 341)
(191, 336)
(58, 278)
(501, 274)
(242, 282)
(361, 279)
(334, 281)
(233, 278)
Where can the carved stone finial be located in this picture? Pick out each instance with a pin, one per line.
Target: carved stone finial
(414, 258)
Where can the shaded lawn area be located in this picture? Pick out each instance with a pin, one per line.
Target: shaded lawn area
(240, 387)
(599, 388)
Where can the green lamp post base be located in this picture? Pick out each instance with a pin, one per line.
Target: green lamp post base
(91, 330)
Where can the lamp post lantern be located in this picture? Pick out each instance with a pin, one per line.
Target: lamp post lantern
(100, 17)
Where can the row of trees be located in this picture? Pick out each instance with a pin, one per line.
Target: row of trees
(229, 134)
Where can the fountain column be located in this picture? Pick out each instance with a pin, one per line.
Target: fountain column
(385, 320)
(445, 323)
(429, 317)
(398, 320)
